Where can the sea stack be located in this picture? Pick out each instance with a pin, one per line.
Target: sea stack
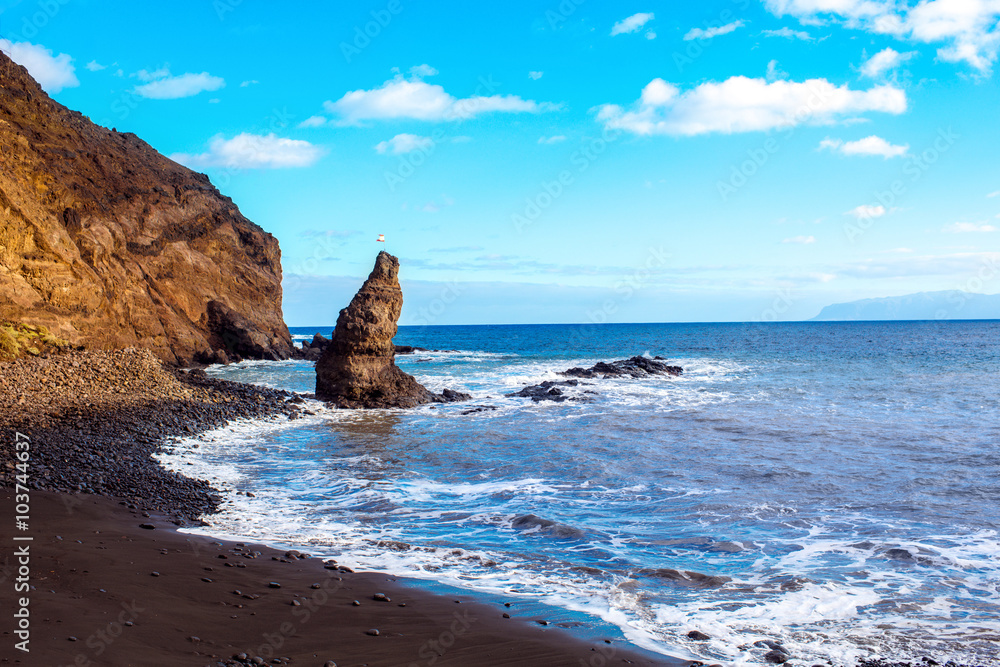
(358, 367)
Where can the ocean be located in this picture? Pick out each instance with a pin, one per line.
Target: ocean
(833, 486)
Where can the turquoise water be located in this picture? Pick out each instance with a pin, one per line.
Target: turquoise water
(831, 485)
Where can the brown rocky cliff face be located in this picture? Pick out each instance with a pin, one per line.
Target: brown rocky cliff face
(110, 244)
(358, 368)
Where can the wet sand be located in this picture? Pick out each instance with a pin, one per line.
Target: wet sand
(110, 592)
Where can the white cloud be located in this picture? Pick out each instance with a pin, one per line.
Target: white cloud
(884, 61)
(867, 211)
(967, 30)
(53, 73)
(709, 33)
(741, 104)
(162, 86)
(872, 145)
(632, 24)
(993, 194)
(536, 75)
(420, 71)
(253, 151)
(650, 34)
(555, 139)
(774, 72)
(145, 75)
(788, 33)
(247, 84)
(414, 98)
(404, 143)
(313, 121)
(800, 240)
(95, 66)
(968, 227)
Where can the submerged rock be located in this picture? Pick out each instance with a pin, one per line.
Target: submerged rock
(357, 368)
(553, 528)
(548, 391)
(636, 367)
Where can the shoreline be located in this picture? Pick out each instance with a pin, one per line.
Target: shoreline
(103, 510)
(109, 592)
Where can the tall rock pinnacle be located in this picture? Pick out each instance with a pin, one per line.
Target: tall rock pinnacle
(358, 368)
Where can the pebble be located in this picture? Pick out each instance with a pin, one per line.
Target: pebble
(154, 574)
(373, 632)
(274, 584)
(356, 603)
(698, 636)
(777, 657)
(329, 663)
(206, 580)
(506, 615)
(147, 526)
(381, 597)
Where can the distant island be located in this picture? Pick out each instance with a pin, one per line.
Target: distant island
(948, 305)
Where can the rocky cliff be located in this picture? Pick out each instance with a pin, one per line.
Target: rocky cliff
(357, 368)
(109, 244)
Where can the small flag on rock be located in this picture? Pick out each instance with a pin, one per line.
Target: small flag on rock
(381, 238)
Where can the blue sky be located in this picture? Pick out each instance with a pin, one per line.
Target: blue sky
(574, 161)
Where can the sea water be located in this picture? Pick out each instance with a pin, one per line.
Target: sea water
(833, 486)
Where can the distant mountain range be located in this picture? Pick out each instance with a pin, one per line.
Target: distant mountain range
(950, 305)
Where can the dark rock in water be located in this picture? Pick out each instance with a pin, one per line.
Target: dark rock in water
(358, 368)
(698, 636)
(899, 554)
(636, 367)
(313, 350)
(479, 408)
(777, 657)
(530, 521)
(687, 577)
(548, 391)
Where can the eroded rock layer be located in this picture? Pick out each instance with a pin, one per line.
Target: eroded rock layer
(110, 244)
